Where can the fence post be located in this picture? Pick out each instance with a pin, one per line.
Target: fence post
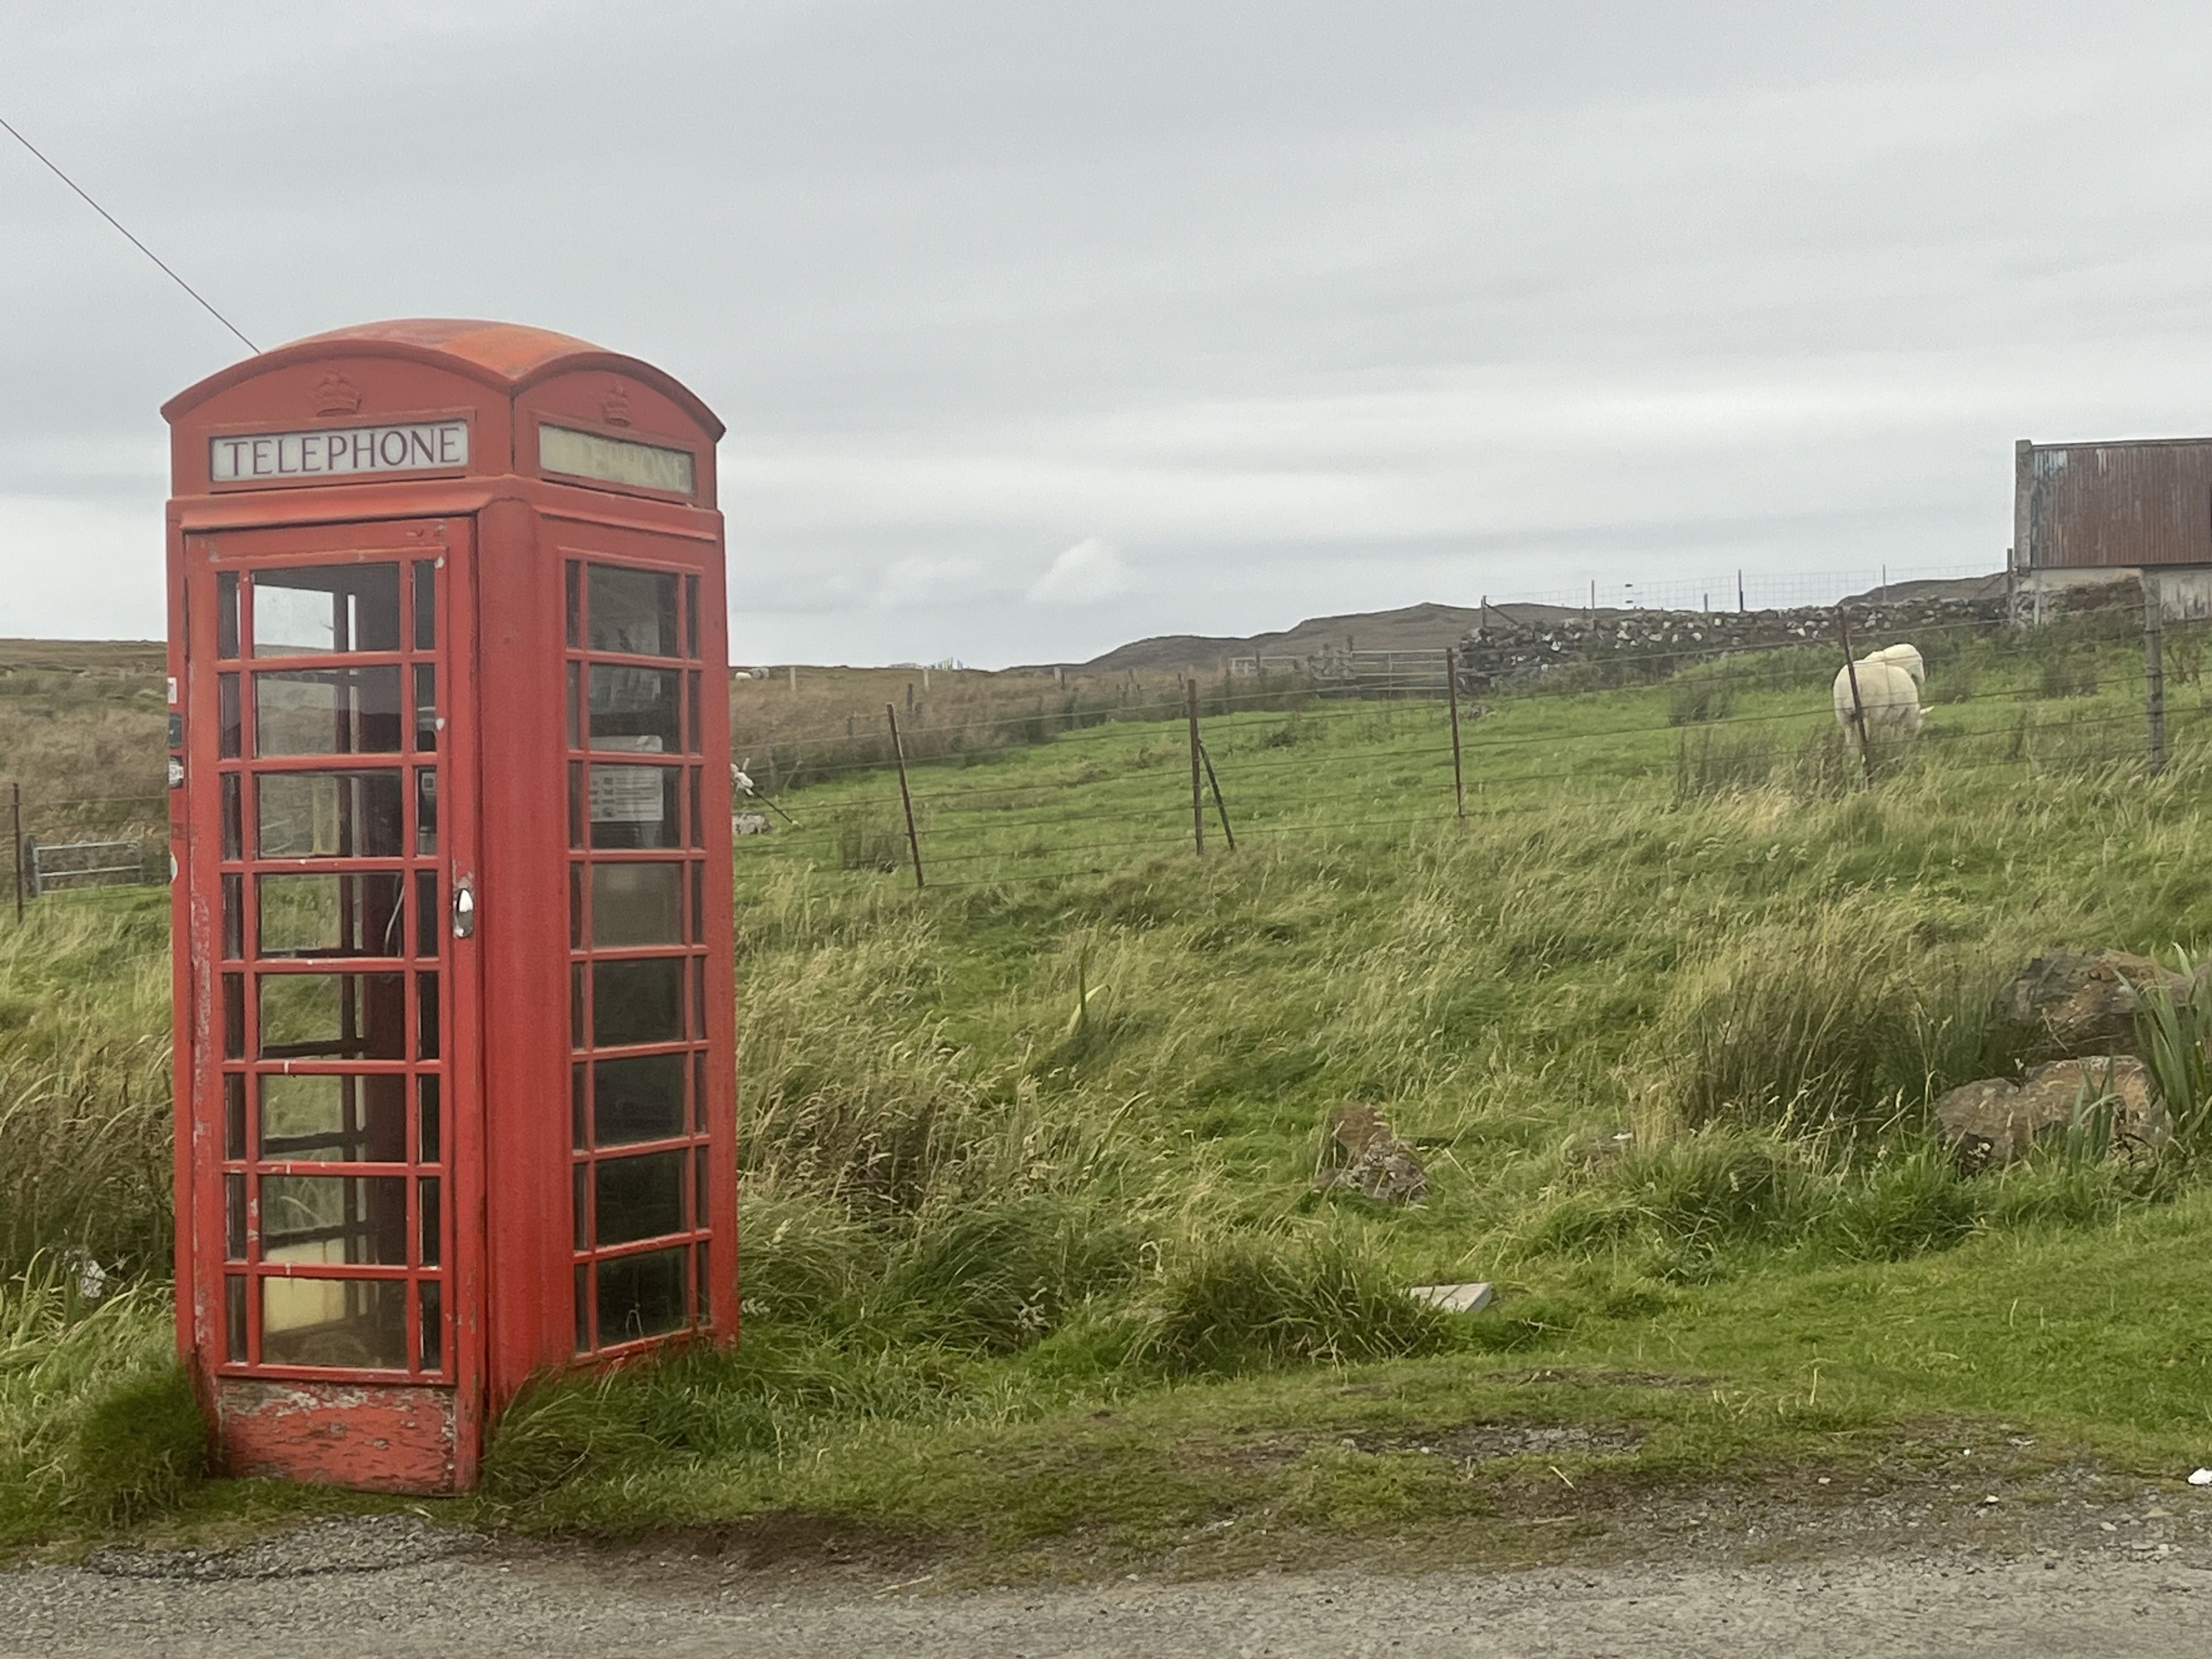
(15, 813)
(906, 795)
(1220, 807)
(1858, 708)
(2155, 669)
(1739, 593)
(1197, 796)
(1451, 696)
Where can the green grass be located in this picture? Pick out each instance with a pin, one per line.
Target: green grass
(1032, 1254)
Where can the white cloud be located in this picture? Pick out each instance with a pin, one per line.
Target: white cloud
(1085, 574)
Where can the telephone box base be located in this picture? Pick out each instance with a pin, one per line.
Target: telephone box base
(371, 1438)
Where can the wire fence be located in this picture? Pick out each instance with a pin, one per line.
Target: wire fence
(2115, 687)
(1616, 710)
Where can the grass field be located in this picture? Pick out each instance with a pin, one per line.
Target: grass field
(1033, 1262)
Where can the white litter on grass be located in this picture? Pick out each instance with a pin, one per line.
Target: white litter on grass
(2201, 1478)
(1453, 1299)
(91, 1277)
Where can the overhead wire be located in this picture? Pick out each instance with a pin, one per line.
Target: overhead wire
(86, 196)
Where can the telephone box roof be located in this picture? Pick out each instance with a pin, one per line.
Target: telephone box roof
(506, 355)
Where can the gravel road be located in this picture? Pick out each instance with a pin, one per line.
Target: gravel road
(389, 1587)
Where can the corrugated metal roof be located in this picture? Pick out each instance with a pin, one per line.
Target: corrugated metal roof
(2146, 501)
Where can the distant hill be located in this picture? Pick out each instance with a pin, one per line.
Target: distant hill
(1414, 627)
(1411, 628)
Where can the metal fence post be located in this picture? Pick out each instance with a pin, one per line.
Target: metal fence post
(1451, 696)
(906, 795)
(1858, 708)
(1197, 795)
(2155, 669)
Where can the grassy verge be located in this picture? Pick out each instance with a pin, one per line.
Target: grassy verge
(1034, 1264)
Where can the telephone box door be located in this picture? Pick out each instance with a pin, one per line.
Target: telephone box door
(333, 1250)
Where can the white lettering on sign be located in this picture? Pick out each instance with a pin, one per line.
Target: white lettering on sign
(424, 447)
(616, 460)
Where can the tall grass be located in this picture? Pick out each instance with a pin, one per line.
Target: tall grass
(95, 1421)
(84, 1085)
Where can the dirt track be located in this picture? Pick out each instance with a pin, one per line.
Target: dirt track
(355, 1589)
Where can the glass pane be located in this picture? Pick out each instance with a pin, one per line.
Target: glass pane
(637, 1001)
(698, 823)
(234, 1319)
(325, 607)
(426, 604)
(634, 806)
(576, 1138)
(575, 804)
(355, 1323)
(354, 1221)
(639, 1197)
(699, 1188)
(226, 614)
(234, 1218)
(326, 711)
(641, 1295)
(691, 741)
(698, 903)
(576, 1007)
(426, 811)
(580, 1204)
(333, 1016)
(334, 916)
(432, 1219)
(227, 714)
(699, 997)
(637, 903)
(690, 615)
(426, 708)
(634, 709)
(699, 1093)
(234, 1115)
(575, 906)
(322, 815)
(234, 1016)
(333, 1120)
(633, 612)
(575, 705)
(583, 1294)
(429, 914)
(433, 1349)
(575, 606)
(429, 1136)
(706, 1310)
(425, 1017)
(640, 1098)
(233, 917)
(233, 819)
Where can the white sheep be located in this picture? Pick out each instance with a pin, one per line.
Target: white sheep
(1889, 683)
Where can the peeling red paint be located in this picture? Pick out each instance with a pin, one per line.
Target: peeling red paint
(375, 1439)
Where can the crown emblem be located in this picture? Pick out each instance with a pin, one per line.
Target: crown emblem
(614, 407)
(337, 395)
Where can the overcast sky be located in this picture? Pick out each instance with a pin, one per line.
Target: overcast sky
(1039, 327)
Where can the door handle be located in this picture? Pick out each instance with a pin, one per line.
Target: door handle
(465, 907)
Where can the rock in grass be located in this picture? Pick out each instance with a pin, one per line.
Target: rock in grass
(2068, 1005)
(2105, 1098)
(1365, 1155)
(1453, 1299)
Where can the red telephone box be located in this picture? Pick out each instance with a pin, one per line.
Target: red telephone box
(450, 810)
